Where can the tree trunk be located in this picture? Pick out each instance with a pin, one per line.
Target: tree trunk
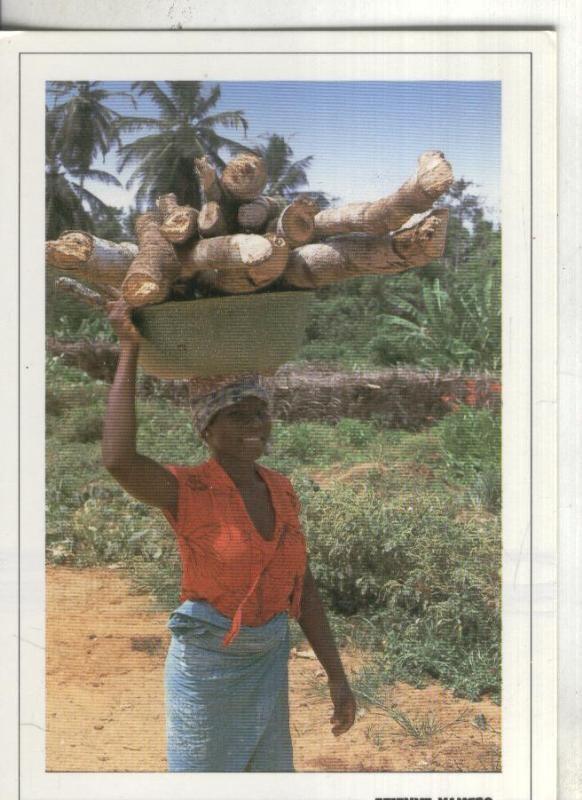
(89, 257)
(83, 293)
(155, 267)
(245, 177)
(433, 177)
(210, 187)
(254, 216)
(212, 220)
(179, 222)
(324, 263)
(424, 242)
(296, 223)
(235, 264)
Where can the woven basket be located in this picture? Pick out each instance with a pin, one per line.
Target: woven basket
(222, 335)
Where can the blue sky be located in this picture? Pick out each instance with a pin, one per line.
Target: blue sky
(365, 137)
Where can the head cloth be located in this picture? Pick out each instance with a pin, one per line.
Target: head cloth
(207, 396)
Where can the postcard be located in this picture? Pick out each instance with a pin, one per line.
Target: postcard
(284, 410)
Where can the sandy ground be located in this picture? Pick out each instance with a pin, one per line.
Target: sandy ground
(105, 713)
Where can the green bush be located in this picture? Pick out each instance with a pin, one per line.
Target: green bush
(486, 490)
(304, 442)
(471, 442)
(458, 327)
(429, 581)
(397, 552)
(83, 425)
(368, 553)
(415, 653)
(356, 433)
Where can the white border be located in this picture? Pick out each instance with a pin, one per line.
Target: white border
(515, 199)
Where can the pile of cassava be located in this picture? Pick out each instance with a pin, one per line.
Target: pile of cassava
(242, 240)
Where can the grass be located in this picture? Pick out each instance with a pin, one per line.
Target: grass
(406, 550)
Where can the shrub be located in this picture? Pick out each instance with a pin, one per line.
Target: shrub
(429, 582)
(304, 442)
(83, 425)
(471, 442)
(486, 490)
(457, 326)
(355, 432)
(368, 553)
(54, 403)
(416, 652)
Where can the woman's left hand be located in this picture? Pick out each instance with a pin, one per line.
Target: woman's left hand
(344, 706)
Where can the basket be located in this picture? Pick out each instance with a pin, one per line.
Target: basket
(222, 335)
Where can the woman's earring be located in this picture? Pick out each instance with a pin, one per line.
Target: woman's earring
(268, 447)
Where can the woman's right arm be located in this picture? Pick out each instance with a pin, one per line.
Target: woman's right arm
(142, 477)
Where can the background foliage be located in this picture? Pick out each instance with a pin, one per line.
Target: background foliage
(403, 528)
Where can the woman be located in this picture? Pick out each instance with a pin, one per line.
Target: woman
(244, 568)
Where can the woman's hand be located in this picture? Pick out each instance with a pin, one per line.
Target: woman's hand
(119, 314)
(344, 706)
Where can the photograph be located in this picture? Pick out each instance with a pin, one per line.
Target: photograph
(284, 403)
(286, 294)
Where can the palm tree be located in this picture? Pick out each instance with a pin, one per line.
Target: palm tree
(182, 131)
(65, 199)
(87, 126)
(286, 177)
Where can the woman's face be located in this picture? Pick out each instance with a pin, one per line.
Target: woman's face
(240, 431)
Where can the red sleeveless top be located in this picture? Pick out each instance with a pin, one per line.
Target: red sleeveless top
(225, 560)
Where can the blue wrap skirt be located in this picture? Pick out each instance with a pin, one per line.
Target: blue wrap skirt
(227, 708)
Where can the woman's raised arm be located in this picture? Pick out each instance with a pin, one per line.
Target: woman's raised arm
(143, 478)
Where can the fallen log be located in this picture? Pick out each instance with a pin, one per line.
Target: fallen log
(179, 222)
(249, 266)
(97, 260)
(433, 177)
(155, 267)
(315, 265)
(244, 177)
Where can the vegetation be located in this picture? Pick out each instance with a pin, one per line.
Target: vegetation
(445, 316)
(408, 564)
(286, 177)
(403, 528)
(183, 129)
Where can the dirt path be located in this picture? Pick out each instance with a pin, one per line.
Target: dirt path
(105, 713)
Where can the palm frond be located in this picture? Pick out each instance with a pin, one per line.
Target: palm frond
(102, 177)
(153, 90)
(205, 104)
(131, 124)
(230, 119)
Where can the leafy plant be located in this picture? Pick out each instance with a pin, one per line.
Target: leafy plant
(443, 329)
(409, 570)
(183, 128)
(470, 442)
(286, 177)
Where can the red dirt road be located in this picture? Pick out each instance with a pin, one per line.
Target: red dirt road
(105, 712)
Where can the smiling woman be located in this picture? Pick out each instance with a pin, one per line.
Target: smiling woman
(244, 570)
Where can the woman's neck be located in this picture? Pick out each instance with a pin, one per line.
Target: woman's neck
(242, 473)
